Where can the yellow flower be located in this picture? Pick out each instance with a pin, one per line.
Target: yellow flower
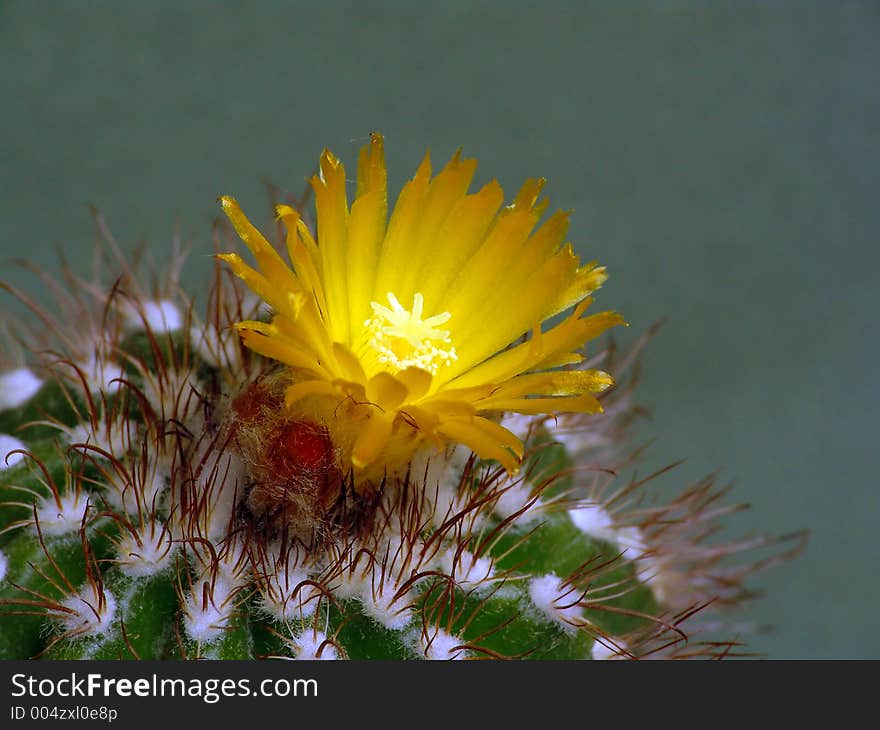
(410, 331)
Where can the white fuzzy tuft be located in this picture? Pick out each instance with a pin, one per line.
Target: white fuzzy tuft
(309, 643)
(577, 440)
(594, 520)
(600, 651)
(664, 581)
(552, 598)
(101, 375)
(18, 387)
(449, 503)
(205, 624)
(112, 437)
(442, 646)
(217, 349)
(139, 492)
(289, 599)
(285, 595)
(514, 498)
(442, 485)
(380, 604)
(62, 517)
(206, 620)
(160, 316)
(229, 561)
(88, 618)
(4, 566)
(220, 480)
(631, 542)
(173, 395)
(468, 571)
(519, 425)
(350, 584)
(8, 445)
(148, 553)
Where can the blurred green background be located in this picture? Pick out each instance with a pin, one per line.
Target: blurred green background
(721, 159)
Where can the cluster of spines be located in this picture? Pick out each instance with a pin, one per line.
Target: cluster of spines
(123, 535)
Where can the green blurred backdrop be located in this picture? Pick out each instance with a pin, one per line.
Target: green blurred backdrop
(721, 159)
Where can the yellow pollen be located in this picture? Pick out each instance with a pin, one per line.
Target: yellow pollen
(402, 339)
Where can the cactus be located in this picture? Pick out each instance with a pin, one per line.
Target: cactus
(247, 483)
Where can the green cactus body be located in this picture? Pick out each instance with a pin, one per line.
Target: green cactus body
(165, 492)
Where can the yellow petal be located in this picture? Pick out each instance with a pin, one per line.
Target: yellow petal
(366, 230)
(386, 391)
(349, 365)
(446, 190)
(564, 382)
(271, 264)
(303, 256)
(487, 274)
(474, 291)
(571, 334)
(516, 304)
(417, 382)
(365, 234)
(461, 235)
(371, 439)
(277, 349)
(585, 281)
(557, 343)
(484, 444)
(371, 174)
(396, 253)
(305, 388)
(441, 408)
(535, 406)
(332, 210)
(300, 331)
(262, 287)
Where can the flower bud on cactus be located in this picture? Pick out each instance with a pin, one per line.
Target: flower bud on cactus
(379, 448)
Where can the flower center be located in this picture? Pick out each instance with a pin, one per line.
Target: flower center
(402, 339)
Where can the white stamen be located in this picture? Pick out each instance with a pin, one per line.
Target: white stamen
(402, 339)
